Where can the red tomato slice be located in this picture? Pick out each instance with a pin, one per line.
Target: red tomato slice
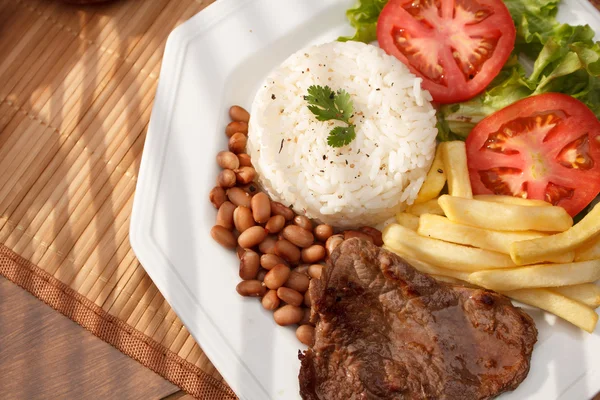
(544, 147)
(456, 46)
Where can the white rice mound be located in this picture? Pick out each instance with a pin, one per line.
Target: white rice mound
(366, 182)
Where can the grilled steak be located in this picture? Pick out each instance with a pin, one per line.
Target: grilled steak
(387, 331)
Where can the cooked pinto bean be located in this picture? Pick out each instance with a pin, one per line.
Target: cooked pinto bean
(267, 246)
(302, 269)
(226, 178)
(323, 232)
(223, 236)
(298, 282)
(303, 222)
(261, 274)
(277, 276)
(298, 236)
(306, 334)
(227, 160)
(239, 114)
(307, 301)
(268, 261)
(217, 196)
(245, 160)
(275, 224)
(239, 251)
(225, 215)
(279, 209)
(287, 251)
(374, 233)
(245, 175)
(237, 143)
(270, 301)
(242, 218)
(261, 207)
(333, 242)
(252, 236)
(236, 127)
(357, 234)
(253, 288)
(288, 315)
(239, 197)
(313, 253)
(315, 271)
(249, 265)
(290, 296)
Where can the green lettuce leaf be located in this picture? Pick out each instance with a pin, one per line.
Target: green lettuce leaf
(363, 18)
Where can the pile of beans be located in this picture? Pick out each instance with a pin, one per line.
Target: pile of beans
(279, 251)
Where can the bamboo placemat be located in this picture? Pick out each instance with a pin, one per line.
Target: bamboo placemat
(76, 89)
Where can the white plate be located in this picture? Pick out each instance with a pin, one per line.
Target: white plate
(215, 60)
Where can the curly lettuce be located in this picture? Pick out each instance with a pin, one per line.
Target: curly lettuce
(363, 17)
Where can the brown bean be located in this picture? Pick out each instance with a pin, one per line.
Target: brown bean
(226, 178)
(302, 269)
(315, 271)
(238, 197)
(287, 251)
(333, 242)
(323, 232)
(268, 261)
(306, 334)
(374, 233)
(261, 207)
(245, 175)
(357, 234)
(261, 274)
(307, 301)
(313, 253)
(279, 209)
(288, 315)
(242, 218)
(236, 127)
(290, 296)
(303, 222)
(223, 236)
(270, 301)
(245, 160)
(250, 188)
(217, 196)
(249, 265)
(237, 143)
(298, 282)
(225, 215)
(298, 236)
(306, 318)
(239, 251)
(277, 276)
(267, 246)
(252, 236)
(253, 288)
(275, 223)
(237, 113)
(227, 160)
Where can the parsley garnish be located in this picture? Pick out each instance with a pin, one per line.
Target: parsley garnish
(328, 105)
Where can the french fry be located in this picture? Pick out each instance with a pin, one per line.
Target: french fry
(588, 251)
(435, 180)
(429, 269)
(408, 220)
(538, 276)
(437, 227)
(570, 310)
(454, 155)
(505, 217)
(428, 207)
(511, 200)
(442, 254)
(586, 293)
(538, 250)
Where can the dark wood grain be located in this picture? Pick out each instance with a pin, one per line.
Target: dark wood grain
(44, 355)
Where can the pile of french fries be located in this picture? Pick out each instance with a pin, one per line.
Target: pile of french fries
(525, 249)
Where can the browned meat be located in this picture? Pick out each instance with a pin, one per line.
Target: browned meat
(387, 331)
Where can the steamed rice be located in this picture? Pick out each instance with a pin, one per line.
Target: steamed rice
(366, 182)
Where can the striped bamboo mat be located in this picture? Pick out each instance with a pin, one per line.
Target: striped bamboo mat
(76, 90)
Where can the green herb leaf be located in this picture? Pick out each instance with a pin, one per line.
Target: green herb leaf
(363, 17)
(341, 136)
(327, 105)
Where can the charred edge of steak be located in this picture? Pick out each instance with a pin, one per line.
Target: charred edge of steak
(385, 330)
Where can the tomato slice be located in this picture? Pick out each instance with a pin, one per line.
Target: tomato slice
(544, 147)
(456, 46)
